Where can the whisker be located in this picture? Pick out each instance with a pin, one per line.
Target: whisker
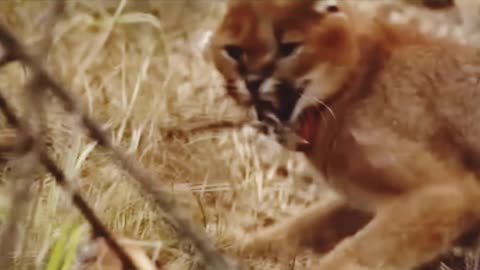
(328, 109)
(321, 102)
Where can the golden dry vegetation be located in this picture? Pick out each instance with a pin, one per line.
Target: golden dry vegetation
(137, 67)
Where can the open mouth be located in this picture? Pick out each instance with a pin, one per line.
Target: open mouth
(276, 118)
(306, 128)
(298, 136)
(286, 97)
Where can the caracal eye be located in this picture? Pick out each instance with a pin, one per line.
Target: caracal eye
(286, 49)
(234, 52)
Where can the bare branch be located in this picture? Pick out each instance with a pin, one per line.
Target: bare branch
(207, 127)
(19, 146)
(5, 59)
(35, 95)
(21, 196)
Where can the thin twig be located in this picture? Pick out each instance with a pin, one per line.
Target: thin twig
(5, 59)
(208, 127)
(21, 196)
(18, 147)
(183, 225)
(34, 96)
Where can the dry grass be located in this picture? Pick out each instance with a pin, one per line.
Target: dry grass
(138, 68)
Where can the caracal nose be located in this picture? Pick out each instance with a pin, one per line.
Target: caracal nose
(253, 83)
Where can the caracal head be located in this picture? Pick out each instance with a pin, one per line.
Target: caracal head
(281, 56)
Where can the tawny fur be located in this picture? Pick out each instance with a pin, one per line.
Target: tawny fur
(401, 144)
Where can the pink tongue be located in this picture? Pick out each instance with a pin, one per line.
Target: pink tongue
(307, 129)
